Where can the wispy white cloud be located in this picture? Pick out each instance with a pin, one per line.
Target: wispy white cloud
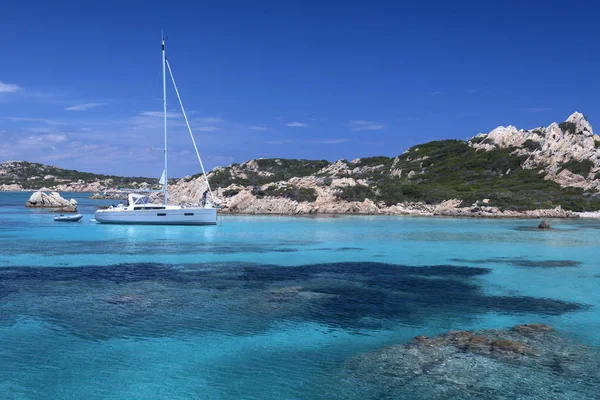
(258, 128)
(435, 93)
(307, 142)
(9, 87)
(159, 114)
(84, 107)
(471, 91)
(27, 119)
(278, 141)
(361, 125)
(209, 120)
(208, 124)
(537, 109)
(40, 129)
(334, 141)
(297, 125)
(43, 140)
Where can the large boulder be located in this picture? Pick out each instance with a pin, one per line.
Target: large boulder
(52, 200)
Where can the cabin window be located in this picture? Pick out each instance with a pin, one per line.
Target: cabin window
(188, 214)
(161, 214)
(143, 200)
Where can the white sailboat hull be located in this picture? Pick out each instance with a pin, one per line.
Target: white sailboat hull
(179, 216)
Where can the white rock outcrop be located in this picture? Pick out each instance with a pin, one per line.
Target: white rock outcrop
(52, 200)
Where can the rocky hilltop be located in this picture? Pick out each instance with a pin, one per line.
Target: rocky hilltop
(23, 175)
(567, 153)
(549, 171)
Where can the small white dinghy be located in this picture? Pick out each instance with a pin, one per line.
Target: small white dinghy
(68, 218)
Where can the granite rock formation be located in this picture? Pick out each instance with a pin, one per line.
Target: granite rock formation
(53, 200)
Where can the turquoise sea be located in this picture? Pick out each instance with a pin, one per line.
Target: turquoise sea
(264, 307)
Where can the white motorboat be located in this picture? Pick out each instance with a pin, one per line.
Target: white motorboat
(68, 218)
(141, 210)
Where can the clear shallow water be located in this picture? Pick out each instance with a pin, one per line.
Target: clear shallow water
(266, 307)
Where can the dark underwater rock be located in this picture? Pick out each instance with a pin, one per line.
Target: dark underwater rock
(470, 342)
(489, 364)
(521, 262)
(544, 225)
(532, 329)
(127, 298)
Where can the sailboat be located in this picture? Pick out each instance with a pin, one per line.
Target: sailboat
(140, 209)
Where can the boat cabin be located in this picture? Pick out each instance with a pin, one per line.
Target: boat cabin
(142, 202)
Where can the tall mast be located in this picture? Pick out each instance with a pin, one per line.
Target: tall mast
(166, 184)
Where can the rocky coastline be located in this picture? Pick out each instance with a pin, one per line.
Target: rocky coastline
(546, 172)
(247, 205)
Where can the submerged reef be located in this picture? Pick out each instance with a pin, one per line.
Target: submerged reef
(145, 299)
(531, 361)
(520, 262)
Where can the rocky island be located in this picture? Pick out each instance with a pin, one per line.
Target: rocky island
(550, 172)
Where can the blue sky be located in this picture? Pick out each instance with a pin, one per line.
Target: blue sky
(80, 81)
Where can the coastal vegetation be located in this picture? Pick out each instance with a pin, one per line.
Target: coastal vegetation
(288, 191)
(263, 171)
(581, 167)
(450, 169)
(532, 145)
(430, 173)
(33, 176)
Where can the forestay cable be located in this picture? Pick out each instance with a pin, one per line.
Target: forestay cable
(190, 130)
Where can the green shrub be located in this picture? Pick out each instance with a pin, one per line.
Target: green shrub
(581, 167)
(374, 161)
(230, 192)
(356, 193)
(223, 178)
(478, 139)
(568, 127)
(532, 145)
(289, 191)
